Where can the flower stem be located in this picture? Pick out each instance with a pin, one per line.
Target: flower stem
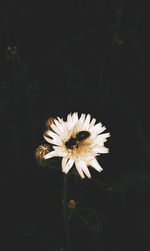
(64, 208)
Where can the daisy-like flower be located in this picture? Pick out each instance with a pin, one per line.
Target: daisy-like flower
(78, 141)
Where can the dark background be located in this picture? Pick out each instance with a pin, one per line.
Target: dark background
(90, 57)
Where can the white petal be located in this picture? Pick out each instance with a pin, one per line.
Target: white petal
(60, 125)
(82, 119)
(80, 123)
(103, 149)
(93, 121)
(96, 150)
(60, 150)
(48, 139)
(59, 119)
(85, 169)
(69, 164)
(56, 138)
(69, 117)
(63, 163)
(50, 155)
(98, 128)
(100, 149)
(56, 129)
(96, 165)
(87, 122)
(102, 138)
(79, 169)
(52, 134)
(69, 121)
(75, 117)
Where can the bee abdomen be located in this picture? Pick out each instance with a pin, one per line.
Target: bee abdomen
(82, 135)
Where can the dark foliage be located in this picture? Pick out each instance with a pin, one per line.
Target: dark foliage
(86, 56)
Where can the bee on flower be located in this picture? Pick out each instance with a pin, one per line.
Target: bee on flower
(78, 141)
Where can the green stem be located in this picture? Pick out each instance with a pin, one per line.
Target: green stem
(64, 207)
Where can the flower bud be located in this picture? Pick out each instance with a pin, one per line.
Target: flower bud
(41, 151)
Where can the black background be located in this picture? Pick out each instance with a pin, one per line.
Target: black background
(90, 57)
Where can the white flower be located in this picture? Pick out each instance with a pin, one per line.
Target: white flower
(77, 140)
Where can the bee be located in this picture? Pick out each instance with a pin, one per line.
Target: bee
(80, 136)
(71, 143)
